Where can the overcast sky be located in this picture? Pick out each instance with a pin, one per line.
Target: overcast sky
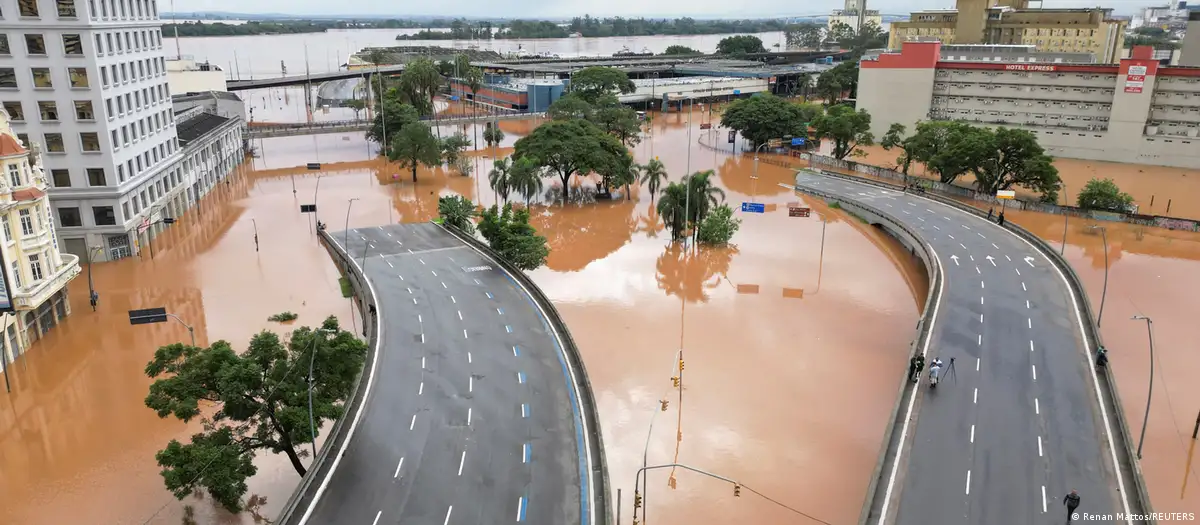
(568, 8)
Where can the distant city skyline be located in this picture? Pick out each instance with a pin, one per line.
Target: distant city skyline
(571, 8)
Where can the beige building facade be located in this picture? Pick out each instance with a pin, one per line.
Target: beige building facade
(988, 22)
(35, 272)
(1136, 111)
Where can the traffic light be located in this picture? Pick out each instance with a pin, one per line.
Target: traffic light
(737, 490)
(675, 381)
(637, 499)
(664, 404)
(671, 481)
(680, 365)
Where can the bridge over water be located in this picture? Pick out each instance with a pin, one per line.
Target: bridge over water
(266, 131)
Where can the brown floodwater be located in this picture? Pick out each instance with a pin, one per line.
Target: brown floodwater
(760, 325)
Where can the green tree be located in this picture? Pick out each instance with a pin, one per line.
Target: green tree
(570, 107)
(673, 208)
(421, 79)
(653, 175)
(260, 397)
(894, 138)
(1103, 194)
(804, 36)
(456, 211)
(452, 148)
(840, 80)
(525, 177)
(493, 135)
(415, 145)
(704, 195)
(498, 179)
(718, 228)
(474, 83)
(675, 50)
(740, 45)
(939, 145)
(846, 128)
(509, 233)
(355, 104)
(618, 120)
(393, 117)
(594, 83)
(764, 117)
(1012, 157)
(568, 147)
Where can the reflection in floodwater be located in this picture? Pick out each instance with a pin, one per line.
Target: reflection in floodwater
(77, 444)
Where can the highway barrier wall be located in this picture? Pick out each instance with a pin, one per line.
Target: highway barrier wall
(892, 442)
(600, 484)
(305, 493)
(1127, 463)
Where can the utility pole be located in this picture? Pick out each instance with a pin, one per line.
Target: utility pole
(1150, 390)
(255, 222)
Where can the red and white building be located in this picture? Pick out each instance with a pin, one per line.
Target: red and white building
(1136, 111)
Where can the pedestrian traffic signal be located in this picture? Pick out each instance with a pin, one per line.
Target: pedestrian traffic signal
(664, 404)
(637, 499)
(737, 490)
(675, 381)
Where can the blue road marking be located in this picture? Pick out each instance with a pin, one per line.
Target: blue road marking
(516, 351)
(525, 454)
(508, 329)
(585, 518)
(522, 506)
(524, 410)
(489, 294)
(521, 377)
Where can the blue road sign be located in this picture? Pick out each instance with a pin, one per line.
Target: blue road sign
(754, 207)
(798, 141)
(737, 92)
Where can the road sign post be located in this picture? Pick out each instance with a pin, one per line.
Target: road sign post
(754, 207)
(1005, 195)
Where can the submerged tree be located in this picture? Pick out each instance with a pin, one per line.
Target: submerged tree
(414, 146)
(653, 175)
(261, 400)
(456, 211)
(509, 233)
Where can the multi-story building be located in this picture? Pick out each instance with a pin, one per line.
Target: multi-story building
(1090, 30)
(35, 273)
(87, 80)
(1137, 111)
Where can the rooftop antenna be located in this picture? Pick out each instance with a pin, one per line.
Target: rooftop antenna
(175, 24)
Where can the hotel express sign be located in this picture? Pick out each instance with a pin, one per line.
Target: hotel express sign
(1028, 67)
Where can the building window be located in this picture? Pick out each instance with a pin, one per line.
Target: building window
(90, 141)
(62, 178)
(83, 110)
(69, 217)
(35, 44)
(54, 143)
(7, 229)
(4, 47)
(14, 175)
(28, 8)
(35, 267)
(66, 9)
(8, 77)
(79, 77)
(16, 274)
(48, 110)
(15, 111)
(26, 222)
(96, 177)
(41, 78)
(104, 216)
(73, 44)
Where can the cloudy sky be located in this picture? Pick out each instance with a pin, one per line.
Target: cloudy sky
(567, 8)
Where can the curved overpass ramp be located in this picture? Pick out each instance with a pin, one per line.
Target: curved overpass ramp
(471, 414)
(1019, 419)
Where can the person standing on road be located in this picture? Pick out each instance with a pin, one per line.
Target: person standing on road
(1000, 219)
(1072, 503)
(991, 213)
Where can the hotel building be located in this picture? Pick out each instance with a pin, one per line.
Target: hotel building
(1136, 111)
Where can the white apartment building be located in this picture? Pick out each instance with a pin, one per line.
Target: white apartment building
(35, 273)
(87, 80)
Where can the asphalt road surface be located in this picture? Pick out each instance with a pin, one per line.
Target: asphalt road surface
(1015, 424)
(470, 419)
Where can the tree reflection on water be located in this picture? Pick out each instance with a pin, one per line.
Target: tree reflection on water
(690, 272)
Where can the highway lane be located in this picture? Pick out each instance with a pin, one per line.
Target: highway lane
(1015, 425)
(470, 419)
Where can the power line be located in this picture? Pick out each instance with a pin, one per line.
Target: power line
(736, 484)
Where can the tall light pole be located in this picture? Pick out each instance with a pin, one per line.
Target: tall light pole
(754, 175)
(312, 357)
(255, 223)
(1062, 249)
(316, 191)
(93, 297)
(1104, 293)
(1149, 391)
(346, 238)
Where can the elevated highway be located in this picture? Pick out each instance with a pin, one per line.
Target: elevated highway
(297, 80)
(471, 412)
(290, 129)
(1020, 417)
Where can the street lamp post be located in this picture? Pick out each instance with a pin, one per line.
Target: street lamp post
(312, 357)
(316, 190)
(255, 222)
(1062, 248)
(1104, 293)
(158, 315)
(754, 175)
(346, 237)
(93, 297)
(1149, 391)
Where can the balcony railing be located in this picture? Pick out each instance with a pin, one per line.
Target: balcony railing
(28, 298)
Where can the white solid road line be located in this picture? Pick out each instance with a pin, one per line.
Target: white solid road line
(412, 423)
(409, 290)
(968, 482)
(980, 235)
(477, 281)
(994, 246)
(965, 227)
(1027, 303)
(981, 318)
(448, 511)
(524, 410)
(1043, 499)
(971, 256)
(470, 383)
(1018, 271)
(981, 285)
(420, 319)
(465, 336)
(420, 259)
(1039, 446)
(421, 389)
(414, 300)
(468, 357)
(936, 228)
(520, 507)
(1030, 320)
(389, 263)
(453, 300)
(906, 212)
(972, 433)
(975, 398)
(460, 315)
(377, 515)
(1034, 368)
(499, 312)
(950, 236)
(981, 300)
(977, 270)
(422, 337)
(1031, 345)
(469, 416)
(400, 276)
(1023, 288)
(433, 272)
(964, 247)
(1037, 407)
(461, 461)
(443, 284)
(397, 474)
(422, 360)
(980, 342)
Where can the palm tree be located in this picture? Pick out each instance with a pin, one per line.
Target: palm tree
(653, 175)
(422, 77)
(500, 180)
(704, 196)
(376, 56)
(526, 178)
(474, 82)
(671, 207)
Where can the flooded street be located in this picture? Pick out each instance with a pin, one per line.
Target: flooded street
(784, 389)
